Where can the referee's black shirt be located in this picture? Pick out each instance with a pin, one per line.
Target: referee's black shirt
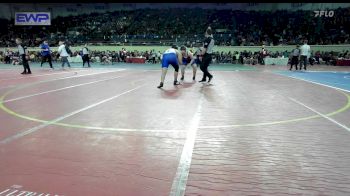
(209, 44)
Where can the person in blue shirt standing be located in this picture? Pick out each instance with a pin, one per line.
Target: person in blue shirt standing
(45, 54)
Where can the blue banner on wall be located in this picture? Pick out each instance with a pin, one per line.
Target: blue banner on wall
(32, 18)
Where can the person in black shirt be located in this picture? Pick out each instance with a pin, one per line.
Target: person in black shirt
(86, 57)
(207, 51)
(23, 55)
(295, 58)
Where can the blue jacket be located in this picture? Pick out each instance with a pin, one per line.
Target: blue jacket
(44, 52)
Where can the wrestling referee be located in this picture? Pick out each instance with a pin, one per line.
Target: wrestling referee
(207, 52)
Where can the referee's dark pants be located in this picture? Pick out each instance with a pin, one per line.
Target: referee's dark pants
(25, 64)
(204, 66)
(7, 60)
(295, 61)
(86, 59)
(303, 60)
(46, 58)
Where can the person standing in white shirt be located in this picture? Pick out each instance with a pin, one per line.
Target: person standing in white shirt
(305, 51)
(63, 53)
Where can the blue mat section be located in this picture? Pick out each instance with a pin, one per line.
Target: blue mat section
(335, 79)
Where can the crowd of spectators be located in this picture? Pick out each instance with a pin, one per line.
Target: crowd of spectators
(255, 58)
(154, 57)
(103, 57)
(233, 28)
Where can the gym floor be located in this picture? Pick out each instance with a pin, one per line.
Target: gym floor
(107, 131)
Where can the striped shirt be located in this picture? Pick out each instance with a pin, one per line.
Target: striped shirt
(209, 44)
(296, 52)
